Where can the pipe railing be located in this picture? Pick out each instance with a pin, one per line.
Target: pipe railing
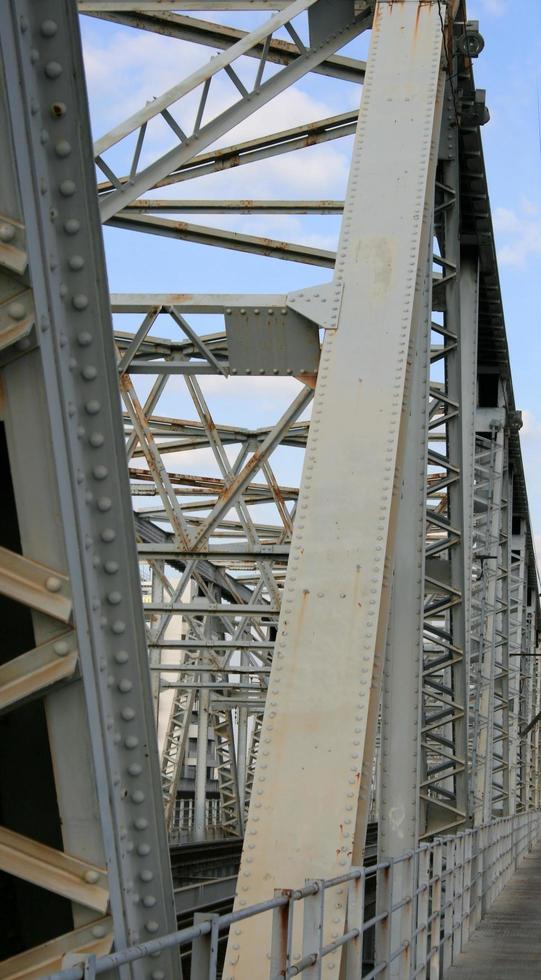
(428, 901)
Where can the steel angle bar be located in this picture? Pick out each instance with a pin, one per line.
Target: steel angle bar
(87, 6)
(400, 757)
(335, 581)
(77, 361)
(204, 135)
(166, 206)
(223, 36)
(53, 870)
(200, 75)
(96, 938)
(201, 235)
(37, 669)
(35, 585)
(262, 148)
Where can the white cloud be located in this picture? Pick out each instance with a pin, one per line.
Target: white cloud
(519, 233)
(531, 426)
(505, 220)
(494, 7)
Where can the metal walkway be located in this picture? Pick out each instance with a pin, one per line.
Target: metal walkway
(507, 944)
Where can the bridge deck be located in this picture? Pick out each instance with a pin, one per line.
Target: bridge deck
(507, 944)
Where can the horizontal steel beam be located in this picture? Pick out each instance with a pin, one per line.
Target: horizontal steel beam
(202, 235)
(223, 36)
(260, 148)
(278, 552)
(205, 206)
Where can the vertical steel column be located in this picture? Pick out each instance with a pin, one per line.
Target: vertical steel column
(483, 730)
(321, 711)
(154, 656)
(460, 320)
(51, 138)
(517, 576)
(398, 804)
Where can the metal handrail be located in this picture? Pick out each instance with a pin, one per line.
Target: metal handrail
(434, 898)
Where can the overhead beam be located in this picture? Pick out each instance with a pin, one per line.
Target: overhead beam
(223, 36)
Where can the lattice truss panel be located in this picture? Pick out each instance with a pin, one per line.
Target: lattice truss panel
(409, 518)
(215, 498)
(83, 850)
(217, 387)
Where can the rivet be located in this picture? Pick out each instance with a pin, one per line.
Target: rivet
(100, 472)
(152, 926)
(76, 263)
(128, 714)
(71, 226)
(61, 648)
(146, 875)
(96, 439)
(158, 975)
(138, 797)
(34, 55)
(80, 301)
(92, 407)
(122, 656)
(57, 110)
(49, 28)
(125, 685)
(63, 148)
(84, 339)
(118, 627)
(104, 504)
(89, 372)
(91, 877)
(149, 901)
(98, 932)
(141, 823)
(111, 567)
(53, 69)
(53, 584)
(63, 290)
(114, 598)
(17, 311)
(131, 741)
(108, 534)
(134, 769)
(7, 233)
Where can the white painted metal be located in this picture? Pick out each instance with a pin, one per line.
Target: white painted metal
(316, 725)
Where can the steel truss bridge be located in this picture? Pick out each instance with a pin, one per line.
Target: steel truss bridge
(318, 492)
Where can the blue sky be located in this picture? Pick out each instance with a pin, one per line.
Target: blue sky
(135, 66)
(510, 70)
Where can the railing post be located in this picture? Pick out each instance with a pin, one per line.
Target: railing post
(467, 887)
(281, 936)
(477, 878)
(448, 917)
(458, 895)
(403, 895)
(384, 900)
(435, 928)
(201, 948)
(312, 928)
(353, 953)
(487, 869)
(420, 921)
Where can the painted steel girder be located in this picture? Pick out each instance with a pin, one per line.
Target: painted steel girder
(69, 367)
(318, 731)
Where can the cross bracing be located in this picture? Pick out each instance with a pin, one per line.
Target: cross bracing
(331, 521)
